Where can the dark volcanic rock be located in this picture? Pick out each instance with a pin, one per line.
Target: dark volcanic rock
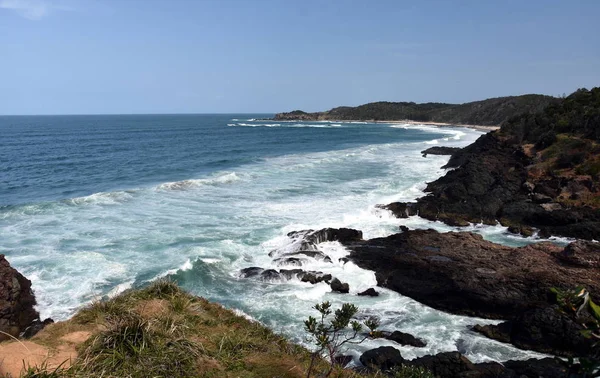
(251, 272)
(491, 181)
(406, 339)
(343, 235)
(581, 253)
(462, 273)
(440, 151)
(337, 285)
(16, 301)
(546, 330)
(370, 292)
(382, 358)
(284, 274)
(455, 365)
(400, 209)
(449, 364)
(36, 327)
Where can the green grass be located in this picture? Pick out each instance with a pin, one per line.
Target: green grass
(162, 331)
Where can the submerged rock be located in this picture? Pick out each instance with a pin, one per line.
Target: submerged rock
(338, 286)
(370, 292)
(405, 339)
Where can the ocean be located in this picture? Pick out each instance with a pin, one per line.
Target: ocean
(93, 205)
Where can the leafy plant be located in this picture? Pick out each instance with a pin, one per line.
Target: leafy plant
(574, 303)
(330, 336)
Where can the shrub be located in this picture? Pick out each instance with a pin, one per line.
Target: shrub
(330, 337)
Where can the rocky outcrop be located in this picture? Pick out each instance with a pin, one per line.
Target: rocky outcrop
(455, 365)
(382, 358)
(272, 275)
(370, 292)
(16, 301)
(523, 186)
(405, 339)
(462, 273)
(339, 286)
(440, 150)
(545, 330)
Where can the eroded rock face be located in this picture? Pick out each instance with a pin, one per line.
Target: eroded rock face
(16, 301)
(494, 180)
(545, 330)
(464, 274)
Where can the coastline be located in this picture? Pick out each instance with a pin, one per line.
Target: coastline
(442, 124)
(482, 128)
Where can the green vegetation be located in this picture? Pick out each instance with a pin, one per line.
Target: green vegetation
(162, 331)
(331, 337)
(494, 111)
(578, 304)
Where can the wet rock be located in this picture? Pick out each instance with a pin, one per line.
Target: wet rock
(317, 255)
(16, 301)
(251, 272)
(405, 339)
(440, 151)
(270, 275)
(315, 277)
(545, 330)
(370, 293)
(290, 261)
(581, 253)
(404, 228)
(449, 364)
(400, 209)
(36, 327)
(342, 360)
(382, 358)
(338, 286)
(462, 273)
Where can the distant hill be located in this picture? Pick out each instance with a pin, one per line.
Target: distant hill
(490, 112)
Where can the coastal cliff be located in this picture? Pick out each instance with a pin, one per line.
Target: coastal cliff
(490, 112)
(539, 171)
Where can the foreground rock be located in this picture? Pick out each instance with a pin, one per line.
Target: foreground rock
(16, 301)
(455, 365)
(545, 330)
(462, 273)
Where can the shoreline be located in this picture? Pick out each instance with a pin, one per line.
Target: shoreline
(393, 122)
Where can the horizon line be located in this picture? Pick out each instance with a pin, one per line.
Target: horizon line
(125, 114)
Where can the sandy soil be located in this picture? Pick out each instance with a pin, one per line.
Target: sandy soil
(16, 356)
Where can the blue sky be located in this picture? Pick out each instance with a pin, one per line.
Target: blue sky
(185, 56)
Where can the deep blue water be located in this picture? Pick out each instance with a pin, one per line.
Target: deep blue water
(44, 158)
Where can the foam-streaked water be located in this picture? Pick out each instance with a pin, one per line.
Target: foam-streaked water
(93, 205)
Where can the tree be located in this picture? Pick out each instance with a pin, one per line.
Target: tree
(330, 337)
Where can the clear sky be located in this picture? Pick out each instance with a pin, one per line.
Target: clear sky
(186, 56)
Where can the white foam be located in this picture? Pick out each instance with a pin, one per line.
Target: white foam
(223, 178)
(102, 198)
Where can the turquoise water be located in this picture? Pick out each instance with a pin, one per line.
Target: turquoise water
(93, 205)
